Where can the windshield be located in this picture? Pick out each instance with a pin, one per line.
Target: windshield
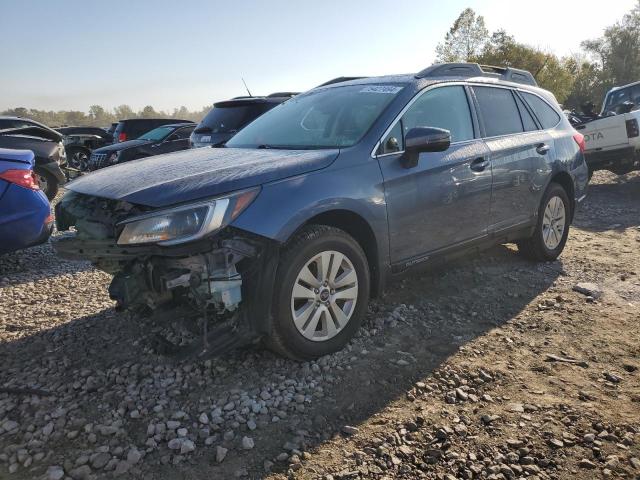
(157, 133)
(328, 118)
(230, 119)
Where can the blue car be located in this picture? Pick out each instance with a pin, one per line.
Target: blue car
(25, 213)
(314, 206)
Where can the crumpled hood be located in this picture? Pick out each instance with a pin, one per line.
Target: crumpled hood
(195, 174)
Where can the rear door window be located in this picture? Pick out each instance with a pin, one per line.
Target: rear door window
(499, 111)
(547, 116)
(442, 107)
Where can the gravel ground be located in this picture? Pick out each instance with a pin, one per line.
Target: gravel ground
(491, 367)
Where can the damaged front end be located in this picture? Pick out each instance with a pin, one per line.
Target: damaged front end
(185, 257)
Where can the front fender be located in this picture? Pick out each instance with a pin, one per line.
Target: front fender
(282, 207)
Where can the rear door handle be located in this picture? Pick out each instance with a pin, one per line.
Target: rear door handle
(479, 164)
(543, 148)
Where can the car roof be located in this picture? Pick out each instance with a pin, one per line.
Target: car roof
(452, 72)
(633, 84)
(178, 125)
(244, 101)
(176, 120)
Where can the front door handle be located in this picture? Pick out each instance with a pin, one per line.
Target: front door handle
(543, 148)
(479, 164)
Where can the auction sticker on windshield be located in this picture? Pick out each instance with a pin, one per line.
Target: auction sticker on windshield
(381, 89)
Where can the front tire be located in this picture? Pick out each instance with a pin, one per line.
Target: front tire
(552, 229)
(321, 293)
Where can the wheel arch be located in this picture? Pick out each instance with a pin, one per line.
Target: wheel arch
(565, 180)
(358, 228)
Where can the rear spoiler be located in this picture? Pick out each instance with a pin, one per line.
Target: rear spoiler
(43, 133)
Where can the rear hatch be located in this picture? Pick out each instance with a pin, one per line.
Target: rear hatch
(226, 118)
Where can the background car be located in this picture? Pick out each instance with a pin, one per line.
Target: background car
(134, 127)
(164, 139)
(226, 118)
(25, 214)
(79, 142)
(49, 151)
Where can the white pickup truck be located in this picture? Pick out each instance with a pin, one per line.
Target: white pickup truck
(613, 139)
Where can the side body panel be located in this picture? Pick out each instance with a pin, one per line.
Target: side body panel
(439, 203)
(519, 174)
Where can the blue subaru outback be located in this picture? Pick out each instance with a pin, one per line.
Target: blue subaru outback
(287, 232)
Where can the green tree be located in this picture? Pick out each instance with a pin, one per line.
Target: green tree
(148, 112)
(618, 50)
(465, 39)
(549, 71)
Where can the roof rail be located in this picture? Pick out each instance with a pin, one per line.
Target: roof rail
(507, 74)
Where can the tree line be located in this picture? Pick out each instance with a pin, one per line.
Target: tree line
(101, 117)
(576, 80)
(583, 78)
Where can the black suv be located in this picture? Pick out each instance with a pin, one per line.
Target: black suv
(134, 127)
(164, 139)
(226, 118)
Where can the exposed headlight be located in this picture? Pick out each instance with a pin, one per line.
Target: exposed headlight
(185, 223)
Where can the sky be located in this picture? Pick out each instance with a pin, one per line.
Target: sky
(70, 54)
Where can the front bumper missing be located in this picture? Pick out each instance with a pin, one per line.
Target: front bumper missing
(227, 284)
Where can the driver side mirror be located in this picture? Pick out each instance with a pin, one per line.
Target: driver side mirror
(423, 139)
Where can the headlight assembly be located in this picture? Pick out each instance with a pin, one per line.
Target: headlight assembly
(185, 223)
(113, 158)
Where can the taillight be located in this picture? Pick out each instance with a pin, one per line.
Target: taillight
(22, 178)
(579, 138)
(122, 137)
(632, 128)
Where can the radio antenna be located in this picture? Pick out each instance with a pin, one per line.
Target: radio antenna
(245, 86)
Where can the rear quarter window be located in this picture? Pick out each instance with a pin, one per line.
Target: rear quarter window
(547, 116)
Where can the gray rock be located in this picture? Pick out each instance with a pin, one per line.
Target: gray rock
(174, 444)
(81, 473)
(122, 467)
(221, 452)
(588, 464)
(350, 430)
(55, 472)
(589, 289)
(203, 418)
(99, 460)
(187, 446)
(134, 456)
(248, 443)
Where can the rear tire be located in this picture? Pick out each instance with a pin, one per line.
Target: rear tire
(552, 228)
(321, 293)
(48, 183)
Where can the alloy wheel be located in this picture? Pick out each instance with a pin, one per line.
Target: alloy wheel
(553, 223)
(324, 296)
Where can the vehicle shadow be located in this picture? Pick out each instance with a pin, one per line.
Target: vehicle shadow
(607, 204)
(424, 318)
(36, 263)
